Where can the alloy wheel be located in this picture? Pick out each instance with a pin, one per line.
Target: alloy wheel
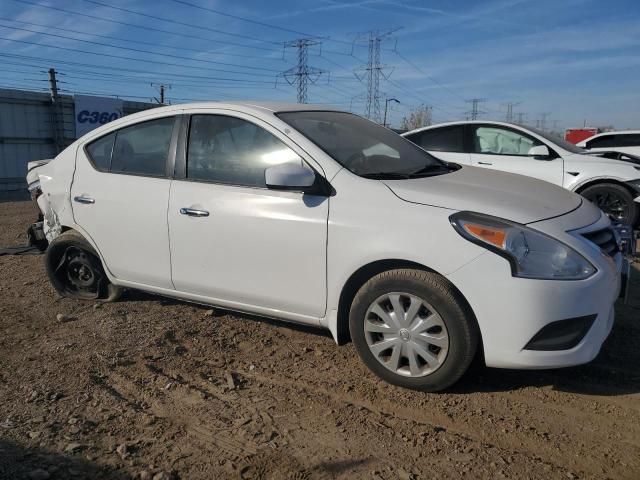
(611, 204)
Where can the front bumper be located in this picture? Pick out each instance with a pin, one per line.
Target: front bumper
(511, 311)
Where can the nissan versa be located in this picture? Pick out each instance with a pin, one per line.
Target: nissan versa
(324, 218)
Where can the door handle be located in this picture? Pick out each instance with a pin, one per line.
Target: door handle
(83, 199)
(485, 163)
(192, 212)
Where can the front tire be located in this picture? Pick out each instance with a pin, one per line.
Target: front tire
(614, 200)
(75, 270)
(412, 329)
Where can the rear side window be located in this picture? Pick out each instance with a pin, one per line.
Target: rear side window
(445, 139)
(230, 150)
(142, 149)
(100, 152)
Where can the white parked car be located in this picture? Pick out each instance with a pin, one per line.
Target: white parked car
(324, 218)
(612, 184)
(627, 141)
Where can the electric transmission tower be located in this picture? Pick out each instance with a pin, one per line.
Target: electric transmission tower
(509, 115)
(302, 74)
(520, 116)
(542, 122)
(475, 111)
(372, 71)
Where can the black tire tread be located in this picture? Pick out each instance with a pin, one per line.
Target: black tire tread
(450, 295)
(113, 292)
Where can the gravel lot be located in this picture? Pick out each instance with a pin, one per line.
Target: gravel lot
(153, 388)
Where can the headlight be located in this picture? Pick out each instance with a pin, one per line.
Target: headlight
(531, 254)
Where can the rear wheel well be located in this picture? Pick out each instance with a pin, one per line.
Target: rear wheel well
(360, 277)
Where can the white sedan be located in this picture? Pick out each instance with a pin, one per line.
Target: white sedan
(612, 184)
(324, 218)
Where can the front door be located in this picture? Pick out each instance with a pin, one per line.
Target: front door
(119, 195)
(235, 241)
(501, 148)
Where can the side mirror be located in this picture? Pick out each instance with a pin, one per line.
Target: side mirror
(539, 151)
(290, 176)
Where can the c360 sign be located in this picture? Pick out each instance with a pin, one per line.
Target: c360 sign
(92, 112)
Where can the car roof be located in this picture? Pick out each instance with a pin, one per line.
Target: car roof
(274, 107)
(615, 132)
(465, 122)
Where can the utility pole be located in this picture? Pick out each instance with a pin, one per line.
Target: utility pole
(161, 89)
(372, 71)
(474, 112)
(302, 74)
(57, 117)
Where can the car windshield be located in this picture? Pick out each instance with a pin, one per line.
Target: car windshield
(365, 148)
(569, 147)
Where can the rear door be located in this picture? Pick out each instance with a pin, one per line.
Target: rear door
(446, 143)
(119, 195)
(502, 148)
(235, 241)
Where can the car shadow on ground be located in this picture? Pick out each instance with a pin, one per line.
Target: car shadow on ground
(614, 372)
(19, 462)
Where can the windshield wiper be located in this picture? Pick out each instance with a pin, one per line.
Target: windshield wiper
(386, 175)
(434, 169)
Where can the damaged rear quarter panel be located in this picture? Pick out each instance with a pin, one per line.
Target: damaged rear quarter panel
(55, 202)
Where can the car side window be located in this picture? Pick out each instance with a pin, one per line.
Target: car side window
(444, 139)
(142, 149)
(100, 152)
(224, 149)
(501, 141)
(628, 140)
(604, 141)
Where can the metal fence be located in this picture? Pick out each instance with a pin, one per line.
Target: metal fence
(32, 127)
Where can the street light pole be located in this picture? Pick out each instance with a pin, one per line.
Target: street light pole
(386, 105)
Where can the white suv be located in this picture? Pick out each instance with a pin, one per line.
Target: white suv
(627, 141)
(324, 218)
(611, 183)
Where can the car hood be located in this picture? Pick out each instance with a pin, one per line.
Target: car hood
(506, 195)
(609, 157)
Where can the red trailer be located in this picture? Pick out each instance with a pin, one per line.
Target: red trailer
(575, 135)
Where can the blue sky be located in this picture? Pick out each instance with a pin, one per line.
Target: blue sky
(576, 60)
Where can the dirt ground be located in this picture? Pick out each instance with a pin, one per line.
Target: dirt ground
(152, 388)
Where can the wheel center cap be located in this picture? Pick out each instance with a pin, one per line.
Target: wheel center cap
(405, 335)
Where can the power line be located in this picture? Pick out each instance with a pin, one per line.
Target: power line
(244, 19)
(131, 58)
(263, 24)
(139, 42)
(144, 27)
(130, 70)
(102, 44)
(183, 24)
(420, 70)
